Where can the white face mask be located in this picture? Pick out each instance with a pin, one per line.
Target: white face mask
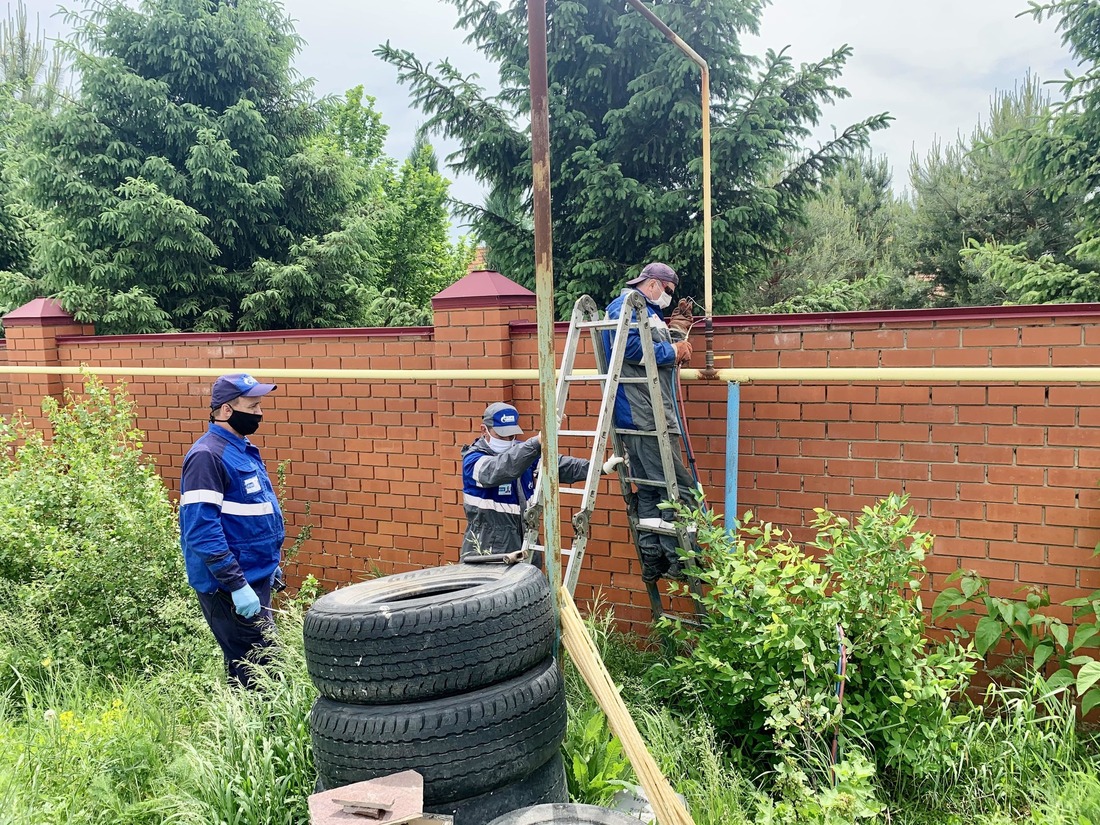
(499, 445)
(664, 300)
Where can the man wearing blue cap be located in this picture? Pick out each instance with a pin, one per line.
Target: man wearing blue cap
(498, 482)
(231, 526)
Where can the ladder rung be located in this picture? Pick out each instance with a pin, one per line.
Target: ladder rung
(565, 551)
(600, 376)
(583, 433)
(646, 482)
(637, 379)
(665, 528)
(636, 432)
(574, 490)
(602, 324)
(677, 617)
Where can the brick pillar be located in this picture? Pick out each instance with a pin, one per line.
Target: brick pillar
(472, 318)
(32, 332)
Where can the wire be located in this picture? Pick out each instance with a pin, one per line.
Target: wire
(842, 673)
(681, 417)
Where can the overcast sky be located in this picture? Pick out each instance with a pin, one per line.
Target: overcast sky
(932, 64)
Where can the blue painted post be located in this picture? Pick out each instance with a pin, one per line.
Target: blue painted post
(733, 434)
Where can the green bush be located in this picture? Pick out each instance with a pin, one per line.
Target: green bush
(89, 542)
(1064, 655)
(764, 661)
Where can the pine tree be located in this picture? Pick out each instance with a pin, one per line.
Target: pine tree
(625, 123)
(32, 79)
(970, 192)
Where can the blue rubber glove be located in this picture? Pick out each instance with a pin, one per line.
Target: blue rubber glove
(246, 601)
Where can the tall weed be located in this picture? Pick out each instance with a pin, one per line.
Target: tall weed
(251, 762)
(1021, 738)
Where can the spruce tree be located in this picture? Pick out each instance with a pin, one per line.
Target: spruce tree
(184, 187)
(625, 132)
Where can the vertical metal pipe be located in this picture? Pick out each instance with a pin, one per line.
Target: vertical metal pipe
(733, 436)
(708, 285)
(544, 288)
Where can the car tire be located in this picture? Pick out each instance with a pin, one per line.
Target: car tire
(545, 784)
(462, 745)
(428, 633)
(567, 814)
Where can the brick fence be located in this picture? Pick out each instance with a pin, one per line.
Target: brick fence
(1004, 475)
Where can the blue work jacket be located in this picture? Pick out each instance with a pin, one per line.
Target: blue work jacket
(633, 409)
(231, 526)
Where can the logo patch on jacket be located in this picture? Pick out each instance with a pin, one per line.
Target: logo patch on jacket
(252, 485)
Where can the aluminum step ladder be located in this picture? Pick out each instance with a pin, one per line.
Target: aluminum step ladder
(587, 317)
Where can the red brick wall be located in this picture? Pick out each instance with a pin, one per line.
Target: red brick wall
(1005, 476)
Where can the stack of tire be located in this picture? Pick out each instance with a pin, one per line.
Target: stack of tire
(449, 672)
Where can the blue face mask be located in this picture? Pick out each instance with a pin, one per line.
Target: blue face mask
(499, 445)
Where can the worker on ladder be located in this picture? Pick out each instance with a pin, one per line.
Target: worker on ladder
(498, 485)
(657, 283)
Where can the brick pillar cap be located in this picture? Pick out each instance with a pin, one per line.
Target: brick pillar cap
(483, 288)
(41, 312)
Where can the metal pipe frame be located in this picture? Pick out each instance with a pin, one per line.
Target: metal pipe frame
(819, 375)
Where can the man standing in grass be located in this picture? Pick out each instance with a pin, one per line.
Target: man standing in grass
(231, 526)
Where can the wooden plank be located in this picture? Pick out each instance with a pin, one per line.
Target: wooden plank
(666, 805)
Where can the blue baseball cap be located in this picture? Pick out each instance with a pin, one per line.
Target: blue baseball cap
(503, 418)
(229, 387)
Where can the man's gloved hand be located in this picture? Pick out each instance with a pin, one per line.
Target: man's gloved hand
(246, 602)
(612, 464)
(681, 319)
(683, 352)
(278, 580)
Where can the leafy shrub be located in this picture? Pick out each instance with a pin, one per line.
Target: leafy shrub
(764, 660)
(89, 543)
(1062, 654)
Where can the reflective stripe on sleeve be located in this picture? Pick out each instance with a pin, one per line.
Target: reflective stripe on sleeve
(489, 504)
(478, 466)
(202, 497)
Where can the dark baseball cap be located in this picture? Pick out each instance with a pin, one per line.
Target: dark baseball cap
(503, 418)
(229, 387)
(662, 272)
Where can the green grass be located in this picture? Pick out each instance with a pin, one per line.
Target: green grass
(177, 747)
(80, 748)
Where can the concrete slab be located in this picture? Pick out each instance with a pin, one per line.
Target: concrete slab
(403, 792)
